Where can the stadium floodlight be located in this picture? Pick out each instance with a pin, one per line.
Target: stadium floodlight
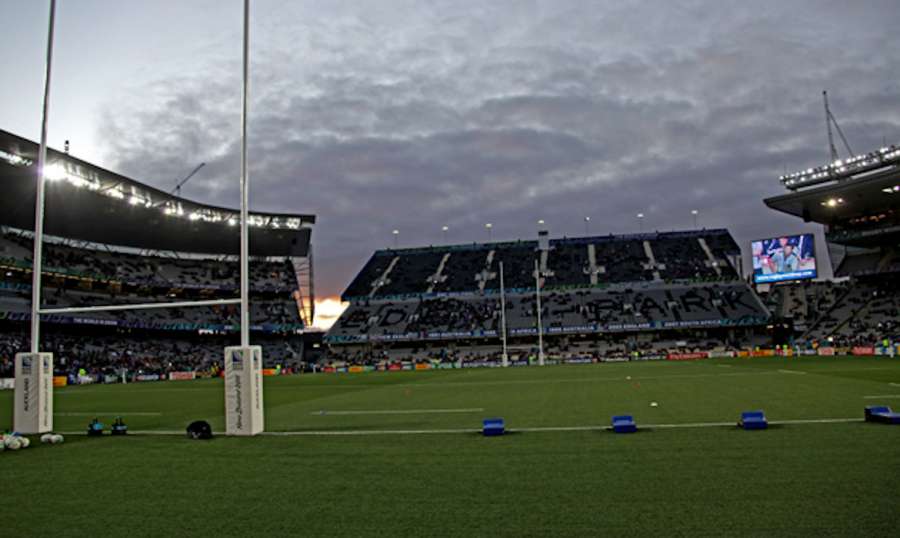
(15, 160)
(843, 168)
(694, 214)
(587, 225)
(55, 172)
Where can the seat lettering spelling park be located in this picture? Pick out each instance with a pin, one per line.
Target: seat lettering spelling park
(492, 427)
(623, 424)
(753, 420)
(882, 414)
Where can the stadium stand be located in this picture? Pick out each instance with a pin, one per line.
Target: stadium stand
(702, 255)
(606, 296)
(105, 247)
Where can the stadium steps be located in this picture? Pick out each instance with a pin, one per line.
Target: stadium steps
(648, 251)
(595, 269)
(436, 277)
(834, 306)
(383, 279)
(486, 272)
(853, 315)
(711, 259)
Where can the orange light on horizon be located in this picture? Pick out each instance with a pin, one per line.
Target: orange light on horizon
(328, 310)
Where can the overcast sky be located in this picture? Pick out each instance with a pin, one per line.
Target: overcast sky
(413, 115)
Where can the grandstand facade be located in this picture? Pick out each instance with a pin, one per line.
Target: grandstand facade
(113, 240)
(597, 294)
(857, 201)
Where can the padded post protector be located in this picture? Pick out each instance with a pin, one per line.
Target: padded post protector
(492, 427)
(623, 424)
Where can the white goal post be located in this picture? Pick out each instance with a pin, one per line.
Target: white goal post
(33, 411)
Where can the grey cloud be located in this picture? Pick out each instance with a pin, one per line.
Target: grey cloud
(420, 116)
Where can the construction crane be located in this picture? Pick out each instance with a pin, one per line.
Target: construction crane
(177, 190)
(829, 119)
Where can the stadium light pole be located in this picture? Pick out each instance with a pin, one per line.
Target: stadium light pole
(444, 232)
(694, 213)
(245, 235)
(396, 234)
(640, 217)
(36, 264)
(537, 292)
(503, 316)
(587, 225)
(489, 227)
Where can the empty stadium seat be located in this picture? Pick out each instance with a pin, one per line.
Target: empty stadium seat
(492, 427)
(753, 420)
(623, 424)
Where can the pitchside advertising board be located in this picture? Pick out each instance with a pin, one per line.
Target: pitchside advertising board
(243, 390)
(787, 257)
(34, 393)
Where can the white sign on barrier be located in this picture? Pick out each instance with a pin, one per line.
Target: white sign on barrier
(34, 393)
(243, 390)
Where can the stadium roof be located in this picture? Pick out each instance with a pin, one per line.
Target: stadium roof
(88, 203)
(860, 196)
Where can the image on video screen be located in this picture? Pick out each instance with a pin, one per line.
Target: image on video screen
(788, 257)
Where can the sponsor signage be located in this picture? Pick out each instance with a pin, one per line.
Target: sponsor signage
(145, 377)
(181, 376)
(863, 350)
(687, 356)
(826, 351)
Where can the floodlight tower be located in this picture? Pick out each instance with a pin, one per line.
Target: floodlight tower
(830, 119)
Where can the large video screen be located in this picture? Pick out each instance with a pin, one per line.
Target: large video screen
(788, 257)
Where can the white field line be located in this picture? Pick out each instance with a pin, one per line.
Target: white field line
(577, 380)
(792, 372)
(326, 412)
(894, 384)
(329, 433)
(106, 413)
(880, 396)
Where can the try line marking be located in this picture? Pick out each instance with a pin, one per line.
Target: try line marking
(792, 372)
(880, 396)
(325, 412)
(326, 433)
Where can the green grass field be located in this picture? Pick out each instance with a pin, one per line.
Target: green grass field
(559, 474)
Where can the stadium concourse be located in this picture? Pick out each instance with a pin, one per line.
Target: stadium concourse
(115, 241)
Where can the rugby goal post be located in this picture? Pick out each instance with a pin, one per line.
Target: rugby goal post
(33, 408)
